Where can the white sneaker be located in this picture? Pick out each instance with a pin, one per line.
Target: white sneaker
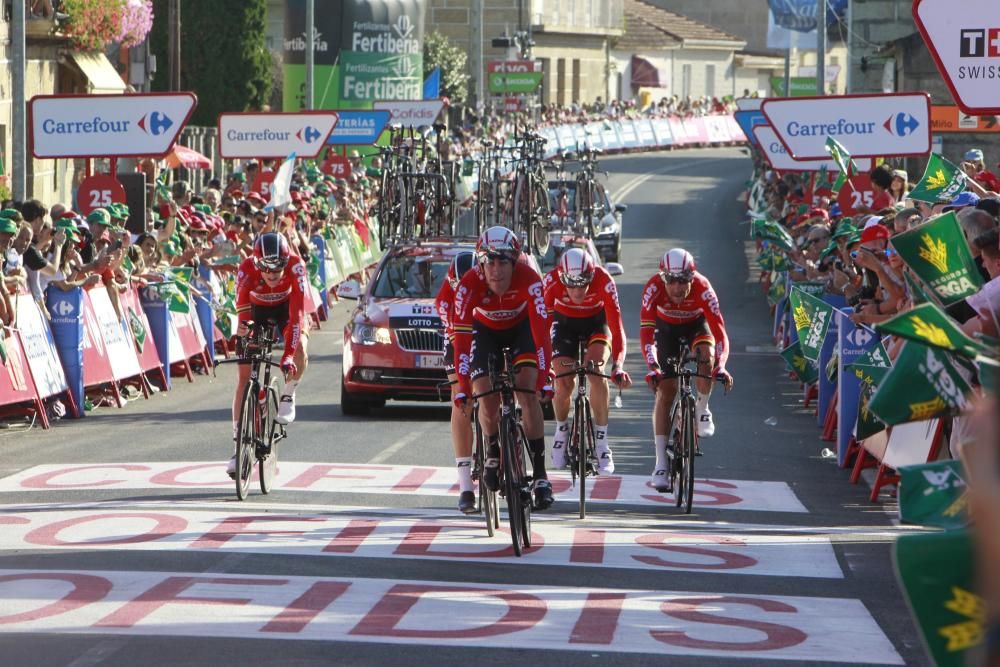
(706, 427)
(559, 454)
(231, 468)
(660, 481)
(605, 464)
(286, 410)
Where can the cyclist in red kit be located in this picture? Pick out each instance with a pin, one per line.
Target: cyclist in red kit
(271, 284)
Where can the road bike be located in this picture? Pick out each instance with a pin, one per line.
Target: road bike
(581, 444)
(258, 432)
(515, 483)
(487, 504)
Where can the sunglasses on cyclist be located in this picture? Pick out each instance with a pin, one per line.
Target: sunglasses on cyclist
(676, 279)
(583, 280)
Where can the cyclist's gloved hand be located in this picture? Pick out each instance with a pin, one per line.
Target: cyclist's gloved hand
(727, 379)
(243, 329)
(653, 378)
(621, 379)
(288, 366)
(546, 392)
(460, 400)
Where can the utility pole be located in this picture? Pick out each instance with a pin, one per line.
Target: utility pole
(310, 52)
(477, 51)
(174, 43)
(788, 71)
(820, 47)
(18, 134)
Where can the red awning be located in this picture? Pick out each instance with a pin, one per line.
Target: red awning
(644, 74)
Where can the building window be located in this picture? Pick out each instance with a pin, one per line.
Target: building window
(576, 80)
(710, 80)
(686, 81)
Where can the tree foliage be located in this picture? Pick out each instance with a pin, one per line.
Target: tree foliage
(224, 56)
(454, 64)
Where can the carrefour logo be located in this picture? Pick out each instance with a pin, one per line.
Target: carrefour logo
(155, 123)
(308, 134)
(63, 308)
(901, 124)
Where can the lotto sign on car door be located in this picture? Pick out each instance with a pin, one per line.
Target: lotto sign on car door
(865, 125)
(965, 44)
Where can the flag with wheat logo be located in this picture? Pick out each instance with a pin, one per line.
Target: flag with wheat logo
(941, 182)
(938, 254)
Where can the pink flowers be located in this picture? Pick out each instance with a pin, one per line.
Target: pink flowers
(94, 23)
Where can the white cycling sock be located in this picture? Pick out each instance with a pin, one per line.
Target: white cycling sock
(702, 401)
(464, 466)
(660, 445)
(290, 387)
(601, 438)
(562, 431)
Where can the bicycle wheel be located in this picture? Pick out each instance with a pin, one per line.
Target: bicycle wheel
(487, 498)
(677, 429)
(540, 216)
(525, 489)
(267, 457)
(246, 435)
(580, 445)
(589, 448)
(511, 482)
(690, 435)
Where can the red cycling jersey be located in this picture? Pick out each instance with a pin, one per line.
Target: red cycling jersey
(474, 302)
(602, 295)
(443, 303)
(251, 290)
(701, 301)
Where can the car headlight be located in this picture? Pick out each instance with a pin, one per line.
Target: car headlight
(366, 334)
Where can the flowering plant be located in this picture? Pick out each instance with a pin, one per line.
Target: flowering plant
(94, 23)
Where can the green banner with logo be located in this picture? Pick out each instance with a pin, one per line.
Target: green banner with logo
(937, 252)
(800, 86)
(936, 571)
(804, 370)
(924, 383)
(514, 82)
(868, 423)
(812, 318)
(930, 325)
(934, 494)
(138, 329)
(942, 181)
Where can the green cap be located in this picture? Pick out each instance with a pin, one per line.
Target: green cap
(8, 226)
(68, 226)
(204, 208)
(240, 176)
(119, 211)
(854, 238)
(170, 249)
(831, 247)
(100, 216)
(844, 230)
(11, 214)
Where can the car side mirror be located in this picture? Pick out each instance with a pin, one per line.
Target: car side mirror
(621, 208)
(614, 268)
(349, 289)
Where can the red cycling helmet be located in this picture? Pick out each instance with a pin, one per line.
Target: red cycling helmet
(498, 242)
(576, 268)
(678, 264)
(270, 252)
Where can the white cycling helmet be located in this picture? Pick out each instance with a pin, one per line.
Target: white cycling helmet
(576, 268)
(498, 242)
(678, 264)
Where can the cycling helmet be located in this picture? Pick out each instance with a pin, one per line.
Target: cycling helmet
(270, 252)
(461, 263)
(677, 263)
(498, 242)
(576, 268)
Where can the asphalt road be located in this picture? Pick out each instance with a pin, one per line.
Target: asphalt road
(360, 558)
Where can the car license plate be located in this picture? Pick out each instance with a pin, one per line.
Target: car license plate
(430, 361)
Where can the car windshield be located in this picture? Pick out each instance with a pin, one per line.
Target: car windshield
(555, 192)
(416, 276)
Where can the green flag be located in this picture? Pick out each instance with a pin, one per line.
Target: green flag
(930, 325)
(868, 423)
(162, 191)
(877, 356)
(941, 182)
(936, 573)
(174, 294)
(138, 329)
(918, 294)
(812, 320)
(804, 370)
(938, 254)
(988, 371)
(3, 346)
(924, 383)
(776, 292)
(933, 494)
(840, 155)
(314, 277)
(770, 230)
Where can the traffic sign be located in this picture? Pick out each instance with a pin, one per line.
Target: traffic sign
(357, 128)
(99, 191)
(275, 135)
(776, 155)
(894, 124)
(855, 193)
(411, 113)
(107, 125)
(965, 44)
